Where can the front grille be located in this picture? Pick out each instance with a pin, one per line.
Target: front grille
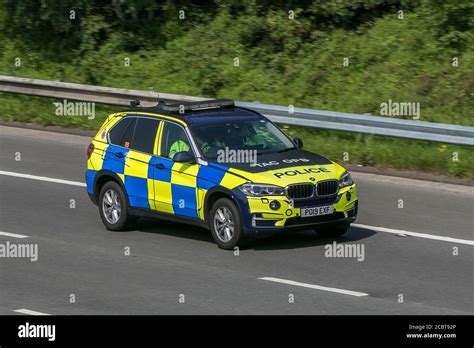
(299, 191)
(298, 220)
(327, 188)
(314, 201)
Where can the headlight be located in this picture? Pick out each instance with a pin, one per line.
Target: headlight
(261, 190)
(345, 180)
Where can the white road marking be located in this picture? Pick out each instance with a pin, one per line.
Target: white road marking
(43, 178)
(416, 234)
(317, 287)
(374, 228)
(14, 235)
(30, 312)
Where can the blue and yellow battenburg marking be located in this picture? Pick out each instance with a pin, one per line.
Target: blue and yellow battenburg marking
(175, 188)
(157, 183)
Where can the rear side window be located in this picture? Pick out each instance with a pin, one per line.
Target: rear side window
(135, 133)
(117, 134)
(128, 135)
(145, 134)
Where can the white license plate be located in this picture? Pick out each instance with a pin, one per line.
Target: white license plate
(317, 211)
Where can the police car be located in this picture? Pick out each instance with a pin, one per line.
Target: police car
(213, 164)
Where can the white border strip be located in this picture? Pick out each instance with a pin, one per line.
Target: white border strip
(14, 235)
(317, 287)
(43, 178)
(416, 234)
(30, 312)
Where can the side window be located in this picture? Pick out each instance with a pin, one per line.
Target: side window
(145, 134)
(128, 135)
(116, 135)
(173, 140)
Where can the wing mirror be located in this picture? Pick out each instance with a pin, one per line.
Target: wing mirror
(183, 157)
(298, 142)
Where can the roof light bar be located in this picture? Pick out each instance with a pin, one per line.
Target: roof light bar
(195, 106)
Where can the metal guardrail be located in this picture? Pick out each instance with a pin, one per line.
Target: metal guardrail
(439, 132)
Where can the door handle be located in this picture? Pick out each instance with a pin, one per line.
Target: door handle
(159, 166)
(119, 154)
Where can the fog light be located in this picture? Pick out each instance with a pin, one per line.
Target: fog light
(275, 205)
(348, 196)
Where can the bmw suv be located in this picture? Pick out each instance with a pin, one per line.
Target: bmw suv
(213, 164)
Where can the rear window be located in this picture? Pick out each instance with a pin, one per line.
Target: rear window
(135, 133)
(145, 134)
(117, 133)
(128, 135)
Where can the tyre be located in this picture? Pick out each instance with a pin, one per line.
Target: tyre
(113, 207)
(332, 231)
(226, 224)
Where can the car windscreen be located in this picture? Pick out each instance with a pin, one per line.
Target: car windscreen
(255, 134)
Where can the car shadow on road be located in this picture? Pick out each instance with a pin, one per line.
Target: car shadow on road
(284, 240)
(174, 229)
(306, 239)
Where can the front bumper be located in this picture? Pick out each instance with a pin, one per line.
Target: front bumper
(262, 220)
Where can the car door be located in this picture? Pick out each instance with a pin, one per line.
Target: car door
(161, 174)
(175, 183)
(119, 138)
(138, 171)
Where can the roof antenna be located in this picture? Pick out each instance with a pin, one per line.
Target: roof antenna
(135, 103)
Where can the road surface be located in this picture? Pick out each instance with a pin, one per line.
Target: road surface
(417, 259)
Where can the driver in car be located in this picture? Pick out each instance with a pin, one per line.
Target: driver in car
(178, 146)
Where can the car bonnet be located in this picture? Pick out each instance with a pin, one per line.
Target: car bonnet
(294, 166)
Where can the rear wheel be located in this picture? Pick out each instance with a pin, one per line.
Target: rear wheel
(333, 230)
(226, 224)
(113, 207)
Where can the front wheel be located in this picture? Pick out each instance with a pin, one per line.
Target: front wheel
(333, 230)
(113, 207)
(226, 224)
